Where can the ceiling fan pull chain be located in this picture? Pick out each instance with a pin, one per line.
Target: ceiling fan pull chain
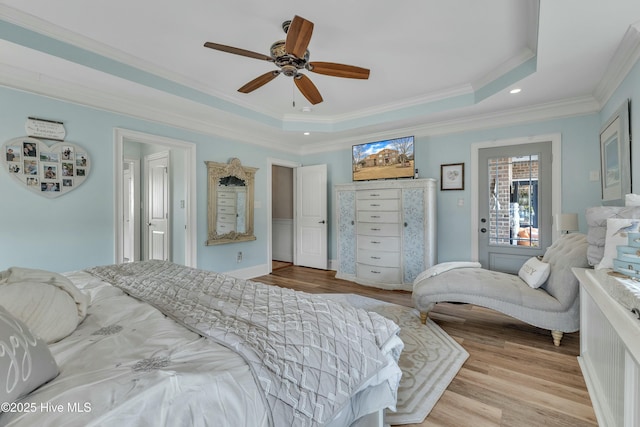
(293, 94)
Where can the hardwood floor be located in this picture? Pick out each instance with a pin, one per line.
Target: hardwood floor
(514, 375)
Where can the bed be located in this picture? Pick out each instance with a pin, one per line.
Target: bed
(159, 344)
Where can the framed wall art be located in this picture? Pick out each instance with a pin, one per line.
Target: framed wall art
(615, 157)
(48, 170)
(452, 176)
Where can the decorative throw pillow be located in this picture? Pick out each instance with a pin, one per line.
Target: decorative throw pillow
(535, 272)
(48, 311)
(617, 229)
(25, 360)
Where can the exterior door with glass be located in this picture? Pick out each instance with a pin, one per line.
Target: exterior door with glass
(514, 204)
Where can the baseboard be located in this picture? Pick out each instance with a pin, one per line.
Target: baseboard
(262, 270)
(250, 272)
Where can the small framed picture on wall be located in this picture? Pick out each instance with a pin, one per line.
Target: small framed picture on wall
(452, 176)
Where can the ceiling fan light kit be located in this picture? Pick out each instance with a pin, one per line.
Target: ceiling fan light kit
(290, 56)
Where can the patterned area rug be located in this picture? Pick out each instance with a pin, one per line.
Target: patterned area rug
(429, 361)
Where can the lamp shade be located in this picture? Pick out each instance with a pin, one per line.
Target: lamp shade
(566, 222)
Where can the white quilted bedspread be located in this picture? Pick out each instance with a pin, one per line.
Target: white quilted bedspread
(309, 354)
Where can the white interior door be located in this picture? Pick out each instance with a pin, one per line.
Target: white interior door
(157, 172)
(311, 216)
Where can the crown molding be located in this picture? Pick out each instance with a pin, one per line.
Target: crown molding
(511, 64)
(195, 117)
(537, 113)
(63, 35)
(436, 101)
(164, 109)
(625, 57)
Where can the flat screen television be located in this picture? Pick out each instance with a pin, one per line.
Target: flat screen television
(388, 159)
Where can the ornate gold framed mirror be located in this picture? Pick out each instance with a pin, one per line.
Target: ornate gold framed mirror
(230, 202)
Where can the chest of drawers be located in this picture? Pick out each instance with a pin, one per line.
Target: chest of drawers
(386, 231)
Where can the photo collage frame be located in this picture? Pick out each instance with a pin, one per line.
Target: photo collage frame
(47, 170)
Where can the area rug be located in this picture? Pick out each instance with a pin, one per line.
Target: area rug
(429, 361)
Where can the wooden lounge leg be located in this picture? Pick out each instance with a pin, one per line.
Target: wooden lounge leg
(423, 318)
(557, 337)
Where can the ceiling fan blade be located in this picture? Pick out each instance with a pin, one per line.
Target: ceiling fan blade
(339, 70)
(298, 36)
(308, 89)
(259, 81)
(238, 51)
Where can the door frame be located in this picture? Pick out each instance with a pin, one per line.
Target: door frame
(556, 179)
(134, 167)
(288, 164)
(121, 135)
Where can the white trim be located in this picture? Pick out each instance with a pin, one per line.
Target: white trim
(119, 136)
(626, 56)
(556, 178)
(191, 116)
(135, 168)
(288, 164)
(251, 272)
(537, 113)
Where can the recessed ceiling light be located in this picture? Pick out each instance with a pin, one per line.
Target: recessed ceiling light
(306, 109)
(307, 133)
(516, 90)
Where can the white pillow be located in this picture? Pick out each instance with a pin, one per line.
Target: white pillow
(632, 200)
(49, 312)
(617, 229)
(25, 360)
(535, 272)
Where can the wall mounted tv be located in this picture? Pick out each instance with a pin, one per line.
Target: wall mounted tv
(388, 159)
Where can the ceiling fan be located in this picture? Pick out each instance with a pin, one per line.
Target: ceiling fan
(291, 56)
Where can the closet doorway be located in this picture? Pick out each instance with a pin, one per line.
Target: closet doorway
(131, 203)
(299, 192)
(282, 221)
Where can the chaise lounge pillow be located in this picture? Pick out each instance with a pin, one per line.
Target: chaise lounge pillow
(25, 360)
(535, 272)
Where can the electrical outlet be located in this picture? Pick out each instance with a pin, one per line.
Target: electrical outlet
(239, 257)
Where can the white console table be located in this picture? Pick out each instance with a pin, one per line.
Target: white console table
(609, 352)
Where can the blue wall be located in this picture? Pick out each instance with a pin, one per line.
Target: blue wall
(580, 154)
(76, 230)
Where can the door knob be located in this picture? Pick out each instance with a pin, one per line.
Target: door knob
(483, 230)
(321, 222)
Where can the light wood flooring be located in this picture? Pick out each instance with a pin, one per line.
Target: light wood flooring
(514, 375)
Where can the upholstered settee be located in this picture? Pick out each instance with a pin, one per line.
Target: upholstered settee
(553, 306)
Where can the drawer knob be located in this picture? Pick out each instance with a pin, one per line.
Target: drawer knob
(375, 257)
(375, 243)
(375, 204)
(375, 272)
(375, 229)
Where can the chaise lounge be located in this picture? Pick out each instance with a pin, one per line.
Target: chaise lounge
(554, 305)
